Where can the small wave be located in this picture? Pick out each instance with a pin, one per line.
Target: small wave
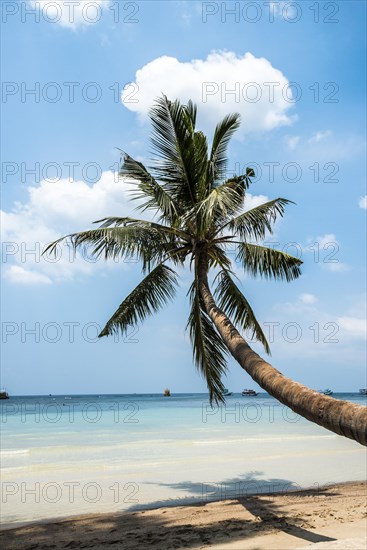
(265, 439)
(11, 452)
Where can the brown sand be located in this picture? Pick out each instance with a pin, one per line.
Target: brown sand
(332, 517)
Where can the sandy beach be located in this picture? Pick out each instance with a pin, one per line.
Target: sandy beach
(331, 517)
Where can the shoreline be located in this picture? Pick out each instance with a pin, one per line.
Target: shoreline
(287, 520)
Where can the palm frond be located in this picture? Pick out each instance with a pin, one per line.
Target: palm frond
(222, 202)
(254, 223)
(268, 263)
(152, 194)
(191, 111)
(218, 257)
(154, 291)
(238, 186)
(173, 142)
(118, 221)
(125, 242)
(233, 302)
(209, 351)
(201, 163)
(218, 157)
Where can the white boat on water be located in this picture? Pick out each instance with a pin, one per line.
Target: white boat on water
(363, 391)
(226, 393)
(250, 393)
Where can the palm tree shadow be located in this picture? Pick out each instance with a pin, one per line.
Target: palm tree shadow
(273, 514)
(257, 497)
(191, 528)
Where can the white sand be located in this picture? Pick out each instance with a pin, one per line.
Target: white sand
(333, 517)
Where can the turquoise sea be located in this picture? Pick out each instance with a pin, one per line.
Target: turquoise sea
(72, 454)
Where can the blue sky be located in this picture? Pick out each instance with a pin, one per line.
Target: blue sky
(311, 134)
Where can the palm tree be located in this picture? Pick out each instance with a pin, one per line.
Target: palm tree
(198, 216)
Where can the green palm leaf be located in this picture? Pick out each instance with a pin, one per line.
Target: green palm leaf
(154, 291)
(138, 240)
(254, 223)
(218, 156)
(201, 164)
(234, 303)
(218, 257)
(222, 201)
(153, 195)
(209, 350)
(268, 263)
(118, 221)
(233, 188)
(173, 142)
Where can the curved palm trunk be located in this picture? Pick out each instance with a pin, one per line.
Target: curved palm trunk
(342, 417)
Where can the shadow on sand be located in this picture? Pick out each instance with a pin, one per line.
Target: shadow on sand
(252, 510)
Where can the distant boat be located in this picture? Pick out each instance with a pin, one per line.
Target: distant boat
(326, 392)
(167, 393)
(250, 393)
(363, 391)
(4, 394)
(226, 393)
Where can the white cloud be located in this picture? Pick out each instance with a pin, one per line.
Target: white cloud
(71, 13)
(252, 201)
(307, 298)
(354, 326)
(292, 142)
(363, 202)
(319, 136)
(327, 239)
(326, 252)
(336, 266)
(327, 147)
(75, 203)
(54, 209)
(304, 304)
(222, 83)
(18, 274)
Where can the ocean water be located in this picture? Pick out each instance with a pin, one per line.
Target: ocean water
(66, 455)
